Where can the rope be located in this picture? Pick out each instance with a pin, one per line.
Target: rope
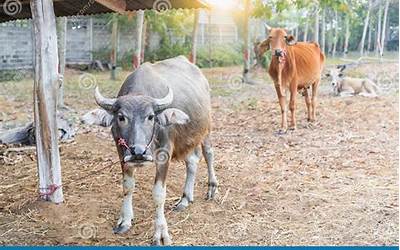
(52, 188)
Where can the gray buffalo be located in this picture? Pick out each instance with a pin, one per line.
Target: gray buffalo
(162, 112)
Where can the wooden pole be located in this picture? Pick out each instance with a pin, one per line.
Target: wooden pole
(90, 30)
(193, 54)
(246, 48)
(346, 37)
(114, 41)
(316, 27)
(138, 34)
(45, 100)
(62, 41)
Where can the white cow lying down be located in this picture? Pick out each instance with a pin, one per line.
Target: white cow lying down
(348, 86)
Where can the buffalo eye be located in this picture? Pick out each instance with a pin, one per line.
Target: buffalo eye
(150, 117)
(121, 118)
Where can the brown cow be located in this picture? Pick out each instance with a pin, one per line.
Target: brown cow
(294, 66)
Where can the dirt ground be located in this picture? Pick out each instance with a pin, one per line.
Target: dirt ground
(332, 182)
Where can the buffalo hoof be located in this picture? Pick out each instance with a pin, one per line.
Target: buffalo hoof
(292, 129)
(212, 190)
(120, 229)
(161, 236)
(182, 204)
(280, 132)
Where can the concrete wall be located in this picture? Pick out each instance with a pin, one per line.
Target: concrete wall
(88, 37)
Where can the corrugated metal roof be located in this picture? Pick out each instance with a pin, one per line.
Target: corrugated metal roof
(20, 9)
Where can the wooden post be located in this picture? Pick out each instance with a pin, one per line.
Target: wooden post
(138, 34)
(193, 54)
(45, 100)
(114, 40)
(62, 41)
(90, 30)
(246, 35)
(209, 31)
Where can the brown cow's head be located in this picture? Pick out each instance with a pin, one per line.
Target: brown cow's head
(277, 41)
(135, 121)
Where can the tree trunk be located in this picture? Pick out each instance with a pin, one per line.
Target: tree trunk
(62, 41)
(378, 32)
(246, 49)
(335, 39)
(316, 28)
(45, 100)
(364, 34)
(114, 45)
(369, 36)
(138, 34)
(144, 39)
(346, 37)
(193, 54)
(305, 32)
(385, 17)
(323, 31)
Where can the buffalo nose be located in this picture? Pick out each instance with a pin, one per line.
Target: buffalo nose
(278, 52)
(138, 150)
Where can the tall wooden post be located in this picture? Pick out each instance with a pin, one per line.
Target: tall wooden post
(323, 31)
(114, 41)
(193, 54)
(62, 41)
(45, 100)
(138, 35)
(246, 48)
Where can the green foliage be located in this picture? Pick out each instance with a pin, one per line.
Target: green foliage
(168, 50)
(221, 56)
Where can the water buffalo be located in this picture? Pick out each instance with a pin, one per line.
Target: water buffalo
(162, 112)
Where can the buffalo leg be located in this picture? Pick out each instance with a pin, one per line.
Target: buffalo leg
(282, 103)
(126, 216)
(161, 235)
(292, 107)
(208, 154)
(308, 104)
(128, 184)
(314, 100)
(191, 166)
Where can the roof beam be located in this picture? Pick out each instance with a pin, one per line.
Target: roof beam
(114, 5)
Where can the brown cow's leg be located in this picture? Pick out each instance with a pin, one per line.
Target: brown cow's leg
(292, 106)
(161, 235)
(308, 104)
(314, 99)
(282, 103)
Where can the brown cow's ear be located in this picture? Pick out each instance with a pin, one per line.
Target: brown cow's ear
(290, 40)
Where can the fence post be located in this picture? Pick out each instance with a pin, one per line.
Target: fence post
(45, 100)
(138, 35)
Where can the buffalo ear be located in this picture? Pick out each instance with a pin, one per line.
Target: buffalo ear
(172, 116)
(290, 40)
